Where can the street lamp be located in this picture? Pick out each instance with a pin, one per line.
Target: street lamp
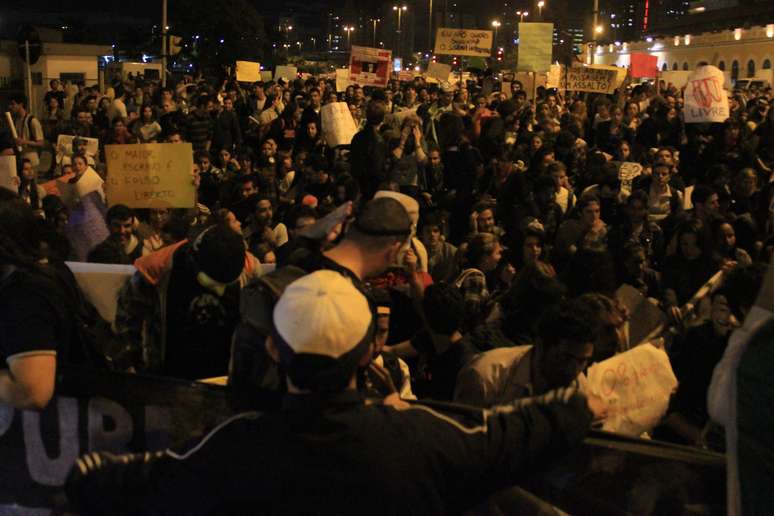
(521, 15)
(375, 21)
(400, 10)
(540, 5)
(348, 29)
(495, 25)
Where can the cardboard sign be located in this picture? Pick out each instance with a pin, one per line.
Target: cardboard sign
(248, 71)
(554, 76)
(338, 127)
(289, 73)
(594, 80)
(678, 78)
(266, 75)
(705, 99)
(644, 65)
(462, 42)
(439, 71)
(506, 89)
(636, 385)
(342, 79)
(626, 173)
(370, 66)
(535, 45)
(150, 175)
(646, 321)
(64, 144)
(8, 176)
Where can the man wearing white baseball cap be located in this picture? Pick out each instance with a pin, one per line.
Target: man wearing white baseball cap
(326, 451)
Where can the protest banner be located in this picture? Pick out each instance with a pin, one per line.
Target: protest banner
(150, 175)
(266, 75)
(248, 71)
(8, 176)
(342, 79)
(462, 42)
(530, 82)
(626, 173)
(620, 71)
(286, 72)
(677, 78)
(64, 144)
(369, 66)
(338, 127)
(636, 386)
(535, 46)
(439, 71)
(593, 80)
(406, 76)
(705, 99)
(644, 65)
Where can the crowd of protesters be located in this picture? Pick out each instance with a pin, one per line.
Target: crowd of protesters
(489, 232)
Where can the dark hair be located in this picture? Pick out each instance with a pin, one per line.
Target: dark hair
(567, 321)
(480, 246)
(443, 307)
(701, 194)
(638, 195)
(19, 237)
(220, 253)
(690, 227)
(118, 212)
(587, 199)
(531, 293)
(19, 98)
(740, 287)
(375, 111)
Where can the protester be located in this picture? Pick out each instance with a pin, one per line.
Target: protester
(323, 331)
(122, 246)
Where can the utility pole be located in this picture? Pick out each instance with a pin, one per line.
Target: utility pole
(163, 43)
(430, 26)
(594, 32)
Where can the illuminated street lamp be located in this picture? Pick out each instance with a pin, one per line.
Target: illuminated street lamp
(521, 15)
(348, 29)
(495, 25)
(400, 10)
(540, 5)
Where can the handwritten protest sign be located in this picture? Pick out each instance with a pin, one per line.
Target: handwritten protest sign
(535, 45)
(439, 71)
(64, 144)
(636, 385)
(705, 99)
(8, 177)
(342, 79)
(644, 65)
(150, 175)
(620, 71)
(266, 75)
(338, 127)
(289, 73)
(248, 71)
(369, 66)
(406, 76)
(626, 173)
(462, 42)
(594, 80)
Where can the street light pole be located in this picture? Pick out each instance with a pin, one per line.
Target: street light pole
(595, 30)
(400, 10)
(540, 5)
(495, 25)
(163, 43)
(430, 26)
(375, 20)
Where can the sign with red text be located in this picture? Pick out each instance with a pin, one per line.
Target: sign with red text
(705, 98)
(636, 385)
(370, 66)
(150, 175)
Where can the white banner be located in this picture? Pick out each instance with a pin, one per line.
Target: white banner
(705, 99)
(338, 127)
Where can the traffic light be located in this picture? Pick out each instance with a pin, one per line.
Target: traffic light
(455, 61)
(175, 45)
(500, 54)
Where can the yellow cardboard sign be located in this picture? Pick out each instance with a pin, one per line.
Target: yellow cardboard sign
(463, 42)
(150, 175)
(248, 71)
(535, 45)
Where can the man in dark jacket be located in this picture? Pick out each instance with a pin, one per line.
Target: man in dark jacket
(228, 134)
(369, 151)
(326, 451)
